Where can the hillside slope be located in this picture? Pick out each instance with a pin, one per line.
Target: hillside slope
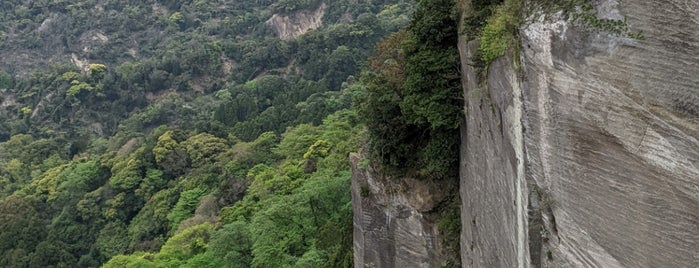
(181, 133)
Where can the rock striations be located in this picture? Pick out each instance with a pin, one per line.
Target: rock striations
(607, 134)
(581, 150)
(612, 137)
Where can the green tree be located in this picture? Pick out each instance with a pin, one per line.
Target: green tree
(203, 148)
(127, 174)
(170, 155)
(113, 239)
(21, 225)
(233, 245)
(185, 206)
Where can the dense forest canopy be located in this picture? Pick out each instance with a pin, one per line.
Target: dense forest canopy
(186, 133)
(180, 133)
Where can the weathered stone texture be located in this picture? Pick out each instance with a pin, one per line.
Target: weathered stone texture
(609, 144)
(611, 136)
(584, 155)
(394, 223)
(492, 182)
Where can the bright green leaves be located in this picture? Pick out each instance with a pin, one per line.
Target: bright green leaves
(26, 111)
(17, 170)
(126, 174)
(177, 252)
(170, 155)
(296, 140)
(182, 246)
(137, 260)
(204, 148)
(265, 181)
(185, 206)
(318, 150)
(96, 71)
(84, 83)
(77, 86)
(70, 76)
(500, 30)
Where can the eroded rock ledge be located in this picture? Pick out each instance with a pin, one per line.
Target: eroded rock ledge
(395, 222)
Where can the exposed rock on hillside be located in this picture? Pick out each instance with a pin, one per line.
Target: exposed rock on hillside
(290, 26)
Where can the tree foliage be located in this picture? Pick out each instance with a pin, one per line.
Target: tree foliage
(181, 133)
(412, 97)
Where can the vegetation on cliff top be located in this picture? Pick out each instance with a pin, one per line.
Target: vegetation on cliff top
(499, 32)
(412, 98)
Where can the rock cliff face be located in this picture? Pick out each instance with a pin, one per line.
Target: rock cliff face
(492, 188)
(582, 150)
(290, 26)
(395, 224)
(588, 156)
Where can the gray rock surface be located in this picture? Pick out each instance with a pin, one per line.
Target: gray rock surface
(610, 145)
(394, 225)
(290, 26)
(492, 183)
(611, 136)
(583, 151)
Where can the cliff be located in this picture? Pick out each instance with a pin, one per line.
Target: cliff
(395, 220)
(586, 157)
(579, 147)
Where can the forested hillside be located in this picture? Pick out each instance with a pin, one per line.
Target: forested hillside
(181, 133)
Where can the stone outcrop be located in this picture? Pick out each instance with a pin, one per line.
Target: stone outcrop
(395, 224)
(588, 155)
(290, 26)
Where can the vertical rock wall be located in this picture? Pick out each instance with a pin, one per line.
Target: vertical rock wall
(493, 190)
(583, 151)
(609, 145)
(611, 136)
(395, 222)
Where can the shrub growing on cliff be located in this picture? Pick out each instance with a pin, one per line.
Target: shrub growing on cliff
(412, 96)
(500, 30)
